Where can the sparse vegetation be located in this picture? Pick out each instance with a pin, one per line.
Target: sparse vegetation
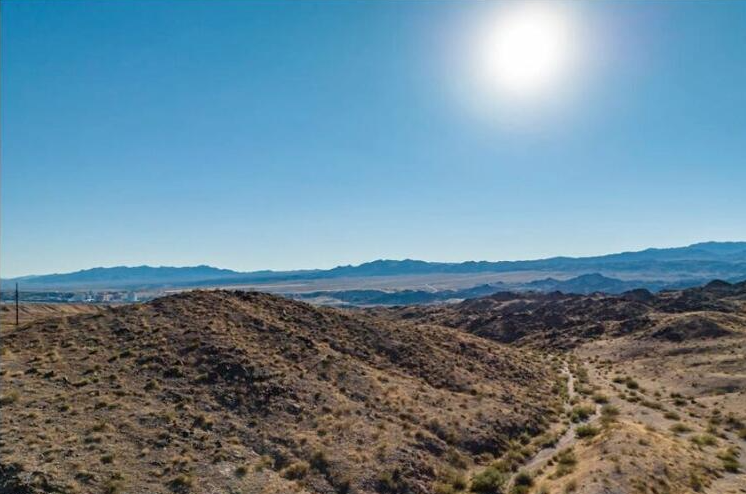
(522, 483)
(703, 440)
(296, 470)
(489, 481)
(9, 398)
(729, 457)
(679, 428)
(600, 398)
(582, 412)
(586, 431)
(566, 462)
(356, 403)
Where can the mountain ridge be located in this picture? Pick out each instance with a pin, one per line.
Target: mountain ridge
(697, 261)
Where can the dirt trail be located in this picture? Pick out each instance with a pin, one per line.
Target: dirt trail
(566, 440)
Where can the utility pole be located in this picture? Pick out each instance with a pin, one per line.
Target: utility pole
(16, 305)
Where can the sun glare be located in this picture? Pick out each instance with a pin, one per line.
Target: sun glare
(526, 50)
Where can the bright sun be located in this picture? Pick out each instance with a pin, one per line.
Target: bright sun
(526, 50)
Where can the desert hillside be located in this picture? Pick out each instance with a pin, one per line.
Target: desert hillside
(563, 321)
(216, 391)
(247, 392)
(659, 402)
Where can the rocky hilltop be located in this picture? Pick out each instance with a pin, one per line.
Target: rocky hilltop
(246, 392)
(563, 321)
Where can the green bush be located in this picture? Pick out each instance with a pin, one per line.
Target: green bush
(586, 431)
(704, 440)
(452, 480)
(609, 411)
(601, 399)
(566, 462)
(631, 383)
(581, 412)
(729, 457)
(489, 481)
(523, 482)
(679, 428)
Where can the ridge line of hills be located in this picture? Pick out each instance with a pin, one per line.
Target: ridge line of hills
(653, 269)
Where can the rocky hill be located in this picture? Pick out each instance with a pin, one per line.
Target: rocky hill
(557, 320)
(247, 392)
(216, 391)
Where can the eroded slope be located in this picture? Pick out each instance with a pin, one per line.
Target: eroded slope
(246, 392)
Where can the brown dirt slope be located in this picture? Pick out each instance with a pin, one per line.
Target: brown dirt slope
(28, 312)
(246, 392)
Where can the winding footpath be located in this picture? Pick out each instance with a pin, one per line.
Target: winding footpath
(567, 439)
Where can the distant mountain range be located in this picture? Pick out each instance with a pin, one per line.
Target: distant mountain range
(584, 285)
(654, 269)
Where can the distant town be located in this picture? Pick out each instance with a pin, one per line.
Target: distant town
(80, 297)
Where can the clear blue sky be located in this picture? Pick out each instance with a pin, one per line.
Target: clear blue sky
(282, 135)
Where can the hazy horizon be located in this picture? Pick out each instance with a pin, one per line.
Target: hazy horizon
(207, 264)
(284, 135)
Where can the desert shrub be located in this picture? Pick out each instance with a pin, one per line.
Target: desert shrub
(609, 413)
(566, 461)
(651, 404)
(734, 423)
(115, 485)
(631, 383)
(203, 422)
(514, 457)
(296, 470)
(523, 482)
(632, 398)
(695, 482)
(546, 440)
(100, 427)
(265, 461)
(181, 483)
(581, 412)
(241, 471)
(729, 457)
(601, 399)
(319, 461)
(489, 481)
(702, 440)
(443, 488)
(584, 390)
(391, 481)
(456, 459)
(712, 429)
(586, 431)
(679, 428)
(9, 398)
(671, 415)
(450, 481)
(571, 486)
